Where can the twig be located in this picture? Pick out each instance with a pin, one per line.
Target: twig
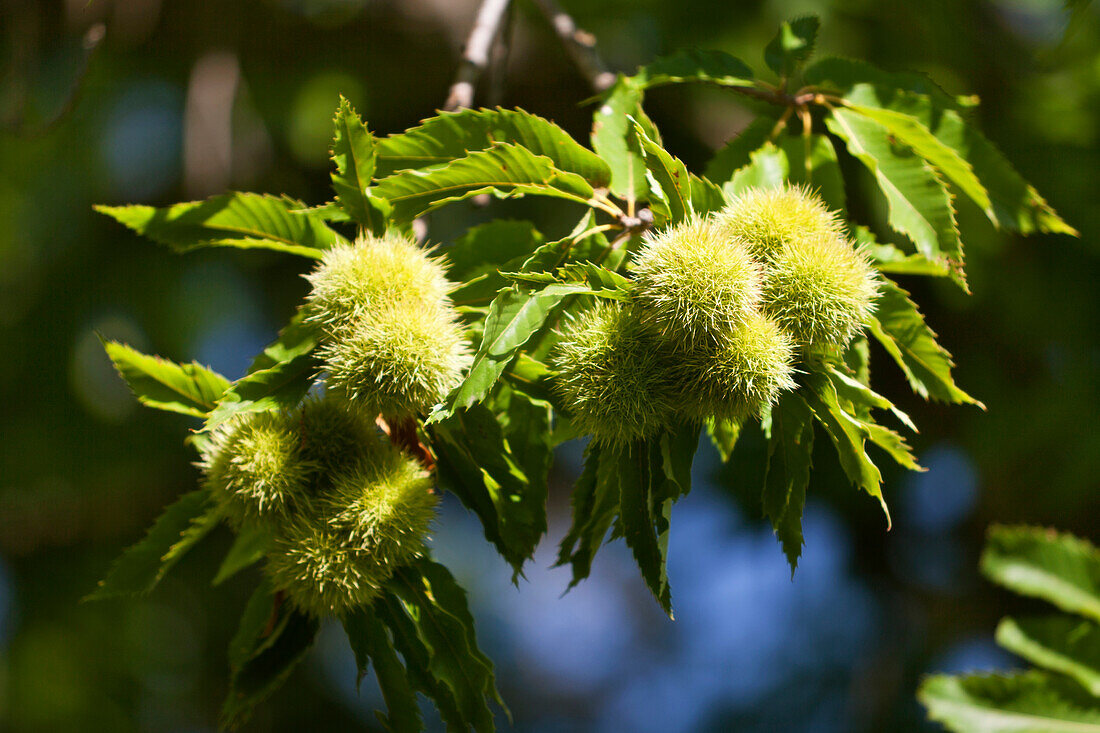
(273, 619)
(502, 52)
(580, 44)
(475, 57)
(402, 435)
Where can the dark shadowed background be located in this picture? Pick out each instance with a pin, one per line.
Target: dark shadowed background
(182, 99)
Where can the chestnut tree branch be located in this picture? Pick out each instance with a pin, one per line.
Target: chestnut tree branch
(580, 44)
(476, 55)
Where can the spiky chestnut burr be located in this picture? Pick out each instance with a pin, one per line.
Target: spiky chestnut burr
(615, 375)
(384, 503)
(399, 360)
(696, 284)
(255, 468)
(739, 377)
(354, 279)
(336, 556)
(768, 219)
(334, 433)
(820, 289)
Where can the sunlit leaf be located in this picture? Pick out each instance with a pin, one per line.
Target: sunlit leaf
(790, 456)
(684, 193)
(505, 168)
(281, 386)
(919, 204)
(1013, 204)
(453, 135)
(189, 389)
(242, 220)
(354, 153)
(847, 434)
(767, 168)
(610, 129)
(901, 329)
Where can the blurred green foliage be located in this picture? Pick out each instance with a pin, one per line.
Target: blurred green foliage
(82, 472)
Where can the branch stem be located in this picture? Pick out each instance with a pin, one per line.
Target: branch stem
(580, 44)
(476, 55)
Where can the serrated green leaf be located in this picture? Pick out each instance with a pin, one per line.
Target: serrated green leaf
(254, 621)
(506, 169)
(249, 547)
(901, 329)
(847, 433)
(242, 220)
(1014, 205)
(269, 664)
(330, 211)
(724, 434)
(497, 468)
(712, 67)
(417, 656)
(610, 127)
(280, 387)
(372, 646)
(737, 151)
(919, 205)
(515, 315)
(912, 131)
(595, 500)
(857, 358)
(601, 282)
(182, 525)
(792, 46)
(790, 456)
(1033, 702)
(354, 153)
(767, 168)
(437, 607)
(677, 444)
(1059, 568)
(644, 521)
(857, 400)
(452, 135)
(1059, 643)
(189, 389)
(859, 395)
(683, 193)
(890, 259)
(525, 421)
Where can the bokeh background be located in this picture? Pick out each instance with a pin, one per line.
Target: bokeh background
(184, 99)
